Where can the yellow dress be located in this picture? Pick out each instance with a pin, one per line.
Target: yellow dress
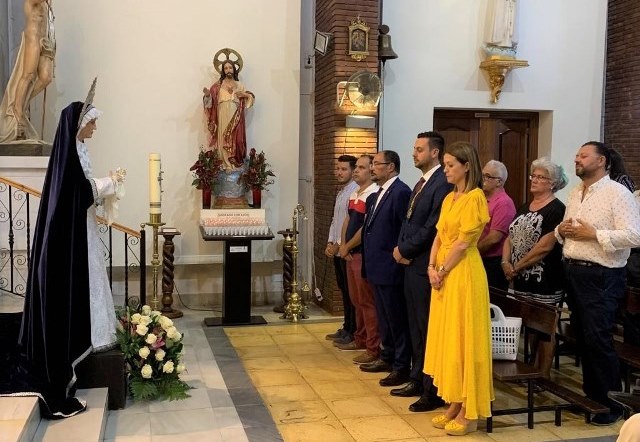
(458, 352)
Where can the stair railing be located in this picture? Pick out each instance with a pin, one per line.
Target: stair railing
(18, 212)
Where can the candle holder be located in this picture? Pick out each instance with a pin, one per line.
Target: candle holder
(155, 222)
(295, 307)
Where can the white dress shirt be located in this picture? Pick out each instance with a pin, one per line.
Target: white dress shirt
(384, 188)
(612, 210)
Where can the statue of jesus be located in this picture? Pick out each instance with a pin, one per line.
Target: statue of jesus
(224, 105)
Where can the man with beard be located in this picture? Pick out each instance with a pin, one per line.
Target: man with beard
(601, 224)
(386, 211)
(343, 173)
(414, 245)
(224, 106)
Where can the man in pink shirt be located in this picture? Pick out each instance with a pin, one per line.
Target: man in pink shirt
(502, 210)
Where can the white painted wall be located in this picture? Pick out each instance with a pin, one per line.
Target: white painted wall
(153, 57)
(438, 43)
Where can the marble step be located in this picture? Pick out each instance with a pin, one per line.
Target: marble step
(87, 426)
(19, 418)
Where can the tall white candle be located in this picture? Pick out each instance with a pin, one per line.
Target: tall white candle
(155, 198)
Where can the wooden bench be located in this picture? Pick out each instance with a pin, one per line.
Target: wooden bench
(539, 322)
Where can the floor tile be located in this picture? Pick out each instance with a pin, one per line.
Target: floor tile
(209, 436)
(269, 378)
(315, 432)
(245, 331)
(264, 351)
(359, 407)
(287, 393)
(341, 390)
(125, 424)
(199, 399)
(255, 415)
(269, 363)
(290, 329)
(184, 421)
(306, 349)
(337, 373)
(294, 339)
(251, 341)
(300, 412)
(379, 428)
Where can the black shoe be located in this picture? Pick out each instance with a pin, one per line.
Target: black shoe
(606, 419)
(394, 379)
(426, 403)
(339, 334)
(413, 388)
(376, 366)
(630, 401)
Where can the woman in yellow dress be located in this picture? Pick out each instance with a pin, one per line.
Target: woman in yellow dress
(459, 336)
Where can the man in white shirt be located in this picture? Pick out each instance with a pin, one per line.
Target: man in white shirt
(601, 224)
(343, 172)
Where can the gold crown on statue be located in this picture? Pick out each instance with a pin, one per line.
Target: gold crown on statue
(88, 101)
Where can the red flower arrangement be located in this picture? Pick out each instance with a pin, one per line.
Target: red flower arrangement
(258, 174)
(205, 170)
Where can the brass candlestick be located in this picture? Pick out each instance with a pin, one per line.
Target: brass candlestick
(294, 309)
(155, 221)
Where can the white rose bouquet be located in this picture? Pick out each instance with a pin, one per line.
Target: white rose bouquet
(152, 347)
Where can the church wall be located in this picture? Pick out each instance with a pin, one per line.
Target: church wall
(438, 44)
(622, 109)
(153, 57)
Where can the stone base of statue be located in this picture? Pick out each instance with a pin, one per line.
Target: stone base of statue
(230, 192)
(25, 148)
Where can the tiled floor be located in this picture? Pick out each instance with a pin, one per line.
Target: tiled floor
(315, 393)
(284, 381)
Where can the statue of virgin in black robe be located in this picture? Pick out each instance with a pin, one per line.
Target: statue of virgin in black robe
(55, 333)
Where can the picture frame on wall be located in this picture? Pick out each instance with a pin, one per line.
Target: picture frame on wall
(358, 47)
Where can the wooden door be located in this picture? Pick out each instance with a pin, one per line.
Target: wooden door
(509, 137)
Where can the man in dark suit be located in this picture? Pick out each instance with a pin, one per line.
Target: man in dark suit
(414, 245)
(386, 210)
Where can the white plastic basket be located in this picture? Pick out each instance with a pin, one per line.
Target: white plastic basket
(505, 334)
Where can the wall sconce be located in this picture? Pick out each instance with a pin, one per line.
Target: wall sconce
(321, 42)
(360, 122)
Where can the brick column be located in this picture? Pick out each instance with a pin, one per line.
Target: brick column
(622, 89)
(331, 137)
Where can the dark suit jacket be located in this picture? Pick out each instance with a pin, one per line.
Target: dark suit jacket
(419, 231)
(380, 235)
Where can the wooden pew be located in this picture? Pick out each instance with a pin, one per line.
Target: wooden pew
(539, 321)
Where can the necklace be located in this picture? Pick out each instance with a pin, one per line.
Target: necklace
(535, 206)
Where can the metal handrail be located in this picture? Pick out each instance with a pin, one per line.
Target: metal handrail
(8, 257)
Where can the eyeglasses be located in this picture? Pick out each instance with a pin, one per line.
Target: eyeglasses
(486, 176)
(375, 163)
(539, 178)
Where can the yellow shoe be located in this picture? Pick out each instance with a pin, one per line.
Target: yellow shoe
(454, 428)
(440, 421)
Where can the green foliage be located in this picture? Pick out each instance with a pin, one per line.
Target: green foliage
(152, 348)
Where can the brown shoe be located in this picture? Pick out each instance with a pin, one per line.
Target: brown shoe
(350, 346)
(364, 358)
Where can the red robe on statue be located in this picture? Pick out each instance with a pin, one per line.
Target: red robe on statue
(234, 140)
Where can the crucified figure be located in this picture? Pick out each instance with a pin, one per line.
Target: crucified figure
(32, 72)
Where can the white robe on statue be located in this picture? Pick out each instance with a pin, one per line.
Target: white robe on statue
(103, 317)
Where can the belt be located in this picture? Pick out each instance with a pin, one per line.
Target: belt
(580, 262)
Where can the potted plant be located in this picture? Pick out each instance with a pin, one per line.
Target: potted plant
(205, 173)
(257, 176)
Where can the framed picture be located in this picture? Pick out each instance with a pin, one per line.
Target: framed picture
(358, 40)
(321, 42)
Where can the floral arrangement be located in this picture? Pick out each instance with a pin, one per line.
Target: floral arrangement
(152, 348)
(258, 172)
(205, 169)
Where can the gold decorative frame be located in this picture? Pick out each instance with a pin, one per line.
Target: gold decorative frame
(358, 40)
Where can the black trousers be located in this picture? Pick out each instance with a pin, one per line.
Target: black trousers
(595, 293)
(495, 275)
(349, 324)
(417, 294)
